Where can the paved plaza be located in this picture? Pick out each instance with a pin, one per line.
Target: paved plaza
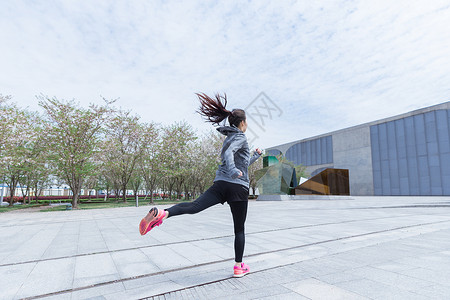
(357, 248)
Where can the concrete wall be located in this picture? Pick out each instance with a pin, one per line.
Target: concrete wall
(352, 151)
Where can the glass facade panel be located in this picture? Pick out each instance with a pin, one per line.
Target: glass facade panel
(274, 152)
(311, 153)
(411, 156)
(442, 131)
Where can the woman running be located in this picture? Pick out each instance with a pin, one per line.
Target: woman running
(231, 183)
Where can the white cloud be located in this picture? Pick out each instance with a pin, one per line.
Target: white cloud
(328, 65)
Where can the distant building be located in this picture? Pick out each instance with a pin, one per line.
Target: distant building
(408, 154)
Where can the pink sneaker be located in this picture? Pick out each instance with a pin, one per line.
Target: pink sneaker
(241, 271)
(153, 218)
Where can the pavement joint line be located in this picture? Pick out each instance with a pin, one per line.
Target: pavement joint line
(190, 241)
(225, 260)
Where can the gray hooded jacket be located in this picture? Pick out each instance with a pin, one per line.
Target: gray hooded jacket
(235, 157)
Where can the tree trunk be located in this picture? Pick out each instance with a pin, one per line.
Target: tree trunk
(171, 184)
(24, 194)
(124, 195)
(151, 194)
(12, 191)
(28, 196)
(36, 193)
(75, 197)
(164, 188)
(152, 189)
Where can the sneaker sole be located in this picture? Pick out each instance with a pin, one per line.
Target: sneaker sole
(240, 275)
(146, 222)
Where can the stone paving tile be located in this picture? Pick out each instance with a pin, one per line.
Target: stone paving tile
(368, 288)
(165, 258)
(429, 276)
(39, 242)
(144, 281)
(67, 229)
(287, 296)
(273, 291)
(192, 280)
(315, 268)
(214, 291)
(339, 277)
(161, 236)
(286, 274)
(93, 269)
(12, 279)
(219, 248)
(150, 288)
(330, 261)
(195, 254)
(390, 278)
(133, 263)
(314, 251)
(316, 289)
(435, 292)
(393, 266)
(99, 291)
(404, 295)
(91, 244)
(58, 251)
(48, 277)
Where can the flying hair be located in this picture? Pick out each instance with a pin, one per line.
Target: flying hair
(214, 110)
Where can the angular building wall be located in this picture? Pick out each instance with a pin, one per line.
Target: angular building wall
(411, 156)
(402, 155)
(352, 151)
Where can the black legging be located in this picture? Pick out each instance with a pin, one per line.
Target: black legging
(239, 211)
(213, 196)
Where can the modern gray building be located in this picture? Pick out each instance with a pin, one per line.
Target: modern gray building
(408, 154)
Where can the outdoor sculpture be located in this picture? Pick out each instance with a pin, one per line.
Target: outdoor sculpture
(328, 182)
(279, 178)
(276, 178)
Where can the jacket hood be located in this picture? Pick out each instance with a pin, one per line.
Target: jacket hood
(227, 130)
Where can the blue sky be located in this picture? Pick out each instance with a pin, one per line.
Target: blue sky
(322, 65)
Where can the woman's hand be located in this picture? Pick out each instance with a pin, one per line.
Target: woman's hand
(240, 174)
(259, 151)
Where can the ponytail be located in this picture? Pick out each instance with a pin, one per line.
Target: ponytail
(214, 110)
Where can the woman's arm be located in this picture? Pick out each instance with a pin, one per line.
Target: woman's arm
(255, 155)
